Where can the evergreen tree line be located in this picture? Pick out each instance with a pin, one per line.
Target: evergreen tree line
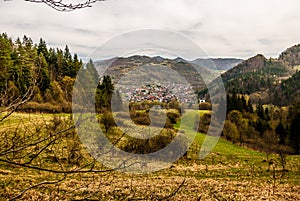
(49, 73)
(287, 92)
(265, 78)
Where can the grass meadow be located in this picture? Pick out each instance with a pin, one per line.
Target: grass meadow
(229, 172)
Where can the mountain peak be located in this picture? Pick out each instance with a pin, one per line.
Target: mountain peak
(291, 56)
(254, 63)
(258, 57)
(179, 59)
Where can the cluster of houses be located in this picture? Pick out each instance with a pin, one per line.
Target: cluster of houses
(156, 92)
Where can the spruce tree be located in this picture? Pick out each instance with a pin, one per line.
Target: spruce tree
(44, 77)
(5, 62)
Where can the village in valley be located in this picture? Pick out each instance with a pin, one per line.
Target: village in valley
(157, 92)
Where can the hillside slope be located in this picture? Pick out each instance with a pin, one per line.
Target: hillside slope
(255, 75)
(120, 67)
(222, 64)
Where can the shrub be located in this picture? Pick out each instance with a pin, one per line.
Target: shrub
(107, 120)
(144, 146)
(205, 106)
(204, 123)
(142, 120)
(40, 107)
(173, 117)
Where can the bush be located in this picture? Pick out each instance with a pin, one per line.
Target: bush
(231, 132)
(205, 106)
(204, 123)
(142, 120)
(145, 146)
(47, 107)
(40, 107)
(107, 120)
(173, 117)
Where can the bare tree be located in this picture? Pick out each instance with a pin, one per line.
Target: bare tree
(59, 5)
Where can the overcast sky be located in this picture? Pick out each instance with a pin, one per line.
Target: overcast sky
(222, 28)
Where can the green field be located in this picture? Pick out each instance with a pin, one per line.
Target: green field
(229, 172)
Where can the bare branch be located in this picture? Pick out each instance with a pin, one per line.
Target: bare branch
(17, 103)
(65, 7)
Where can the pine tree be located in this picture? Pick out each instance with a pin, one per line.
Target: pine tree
(260, 111)
(294, 135)
(92, 72)
(281, 133)
(67, 64)
(42, 48)
(104, 94)
(77, 64)
(52, 64)
(117, 101)
(22, 70)
(59, 73)
(5, 62)
(44, 78)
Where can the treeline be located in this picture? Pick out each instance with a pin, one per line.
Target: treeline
(268, 128)
(287, 92)
(263, 127)
(45, 74)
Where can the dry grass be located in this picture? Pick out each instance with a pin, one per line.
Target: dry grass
(120, 186)
(230, 172)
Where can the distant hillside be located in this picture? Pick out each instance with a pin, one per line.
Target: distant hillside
(291, 56)
(194, 71)
(256, 74)
(271, 80)
(118, 67)
(219, 64)
(287, 92)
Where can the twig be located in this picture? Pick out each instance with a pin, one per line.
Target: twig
(64, 7)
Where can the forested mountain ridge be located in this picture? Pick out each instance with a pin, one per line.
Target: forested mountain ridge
(291, 56)
(287, 92)
(271, 80)
(256, 74)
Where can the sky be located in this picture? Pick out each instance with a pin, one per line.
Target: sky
(221, 28)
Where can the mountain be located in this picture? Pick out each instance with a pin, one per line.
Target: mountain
(291, 56)
(218, 64)
(207, 69)
(272, 80)
(256, 74)
(287, 92)
(119, 67)
(179, 59)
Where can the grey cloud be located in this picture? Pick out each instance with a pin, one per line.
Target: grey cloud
(221, 28)
(265, 41)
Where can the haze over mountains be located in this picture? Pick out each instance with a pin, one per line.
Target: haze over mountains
(222, 64)
(218, 63)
